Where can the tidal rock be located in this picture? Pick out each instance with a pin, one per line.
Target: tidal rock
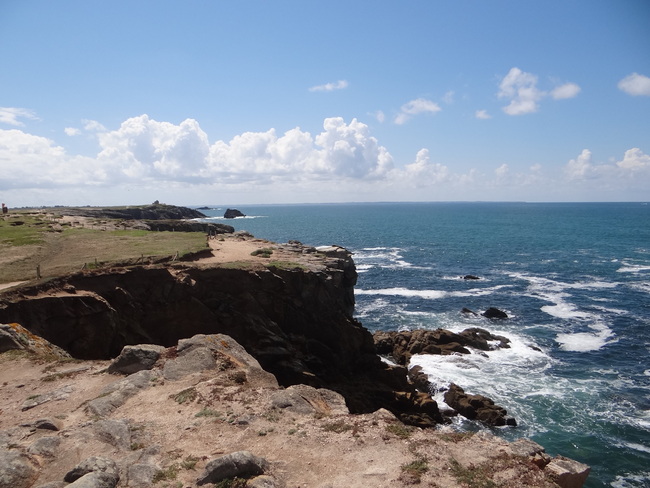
(241, 464)
(495, 313)
(402, 345)
(471, 277)
(231, 213)
(136, 358)
(477, 407)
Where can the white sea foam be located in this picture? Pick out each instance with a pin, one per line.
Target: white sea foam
(585, 341)
(633, 268)
(484, 373)
(632, 480)
(431, 294)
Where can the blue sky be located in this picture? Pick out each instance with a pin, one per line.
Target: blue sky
(210, 102)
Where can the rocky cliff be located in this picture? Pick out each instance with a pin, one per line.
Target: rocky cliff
(295, 319)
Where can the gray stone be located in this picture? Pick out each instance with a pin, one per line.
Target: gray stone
(192, 361)
(229, 354)
(9, 340)
(58, 394)
(96, 480)
(241, 464)
(567, 473)
(263, 481)
(141, 475)
(114, 432)
(308, 400)
(54, 484)
(45, 446)
(48, 424)
(116, 394)
(93, 464)
(16, 469)
(136, 358)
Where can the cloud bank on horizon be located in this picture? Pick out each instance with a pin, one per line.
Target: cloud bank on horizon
(447, 107)
(146, 155)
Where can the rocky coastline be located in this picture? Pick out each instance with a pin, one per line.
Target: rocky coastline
(278, 336)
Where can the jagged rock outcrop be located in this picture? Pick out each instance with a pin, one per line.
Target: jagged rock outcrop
(187, 226)
(477, 407)
(296, 322)
(494, 313)
(402, 345)
(156, 211)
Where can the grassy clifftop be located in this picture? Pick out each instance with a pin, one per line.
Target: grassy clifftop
(61, 243)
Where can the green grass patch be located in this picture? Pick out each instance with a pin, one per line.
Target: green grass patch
(265, 252)
(186, 396)
(400, 430)
(208, 412)
(22, 230)
(288, 265)
(167, 474)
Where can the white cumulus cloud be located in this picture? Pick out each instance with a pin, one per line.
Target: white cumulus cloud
(416, 107)
(568, 90)
(12, 115)
(328, 87)
(521, 89)
(580, 167)
(634, 160)
(72, 131)
(482, 114)
(635, 85)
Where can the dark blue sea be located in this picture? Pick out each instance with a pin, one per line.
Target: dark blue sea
(574, 279)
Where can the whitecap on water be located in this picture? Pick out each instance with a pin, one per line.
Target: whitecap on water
(431, 294)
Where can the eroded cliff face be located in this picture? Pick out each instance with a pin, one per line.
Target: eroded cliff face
(295, 320)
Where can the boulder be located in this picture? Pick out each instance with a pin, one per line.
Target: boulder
(46, 446)
(471, 277)
(567, 473)
(241, 464)
(142, 475)
(231, 213)
(96, 480)
(494, 313)
(136, 358)
(17, 470)
(95, 464)
(477, 407)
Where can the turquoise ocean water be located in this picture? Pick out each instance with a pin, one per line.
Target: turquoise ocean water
(574, 279)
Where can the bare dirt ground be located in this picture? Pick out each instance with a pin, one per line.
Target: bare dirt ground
(322, 449)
